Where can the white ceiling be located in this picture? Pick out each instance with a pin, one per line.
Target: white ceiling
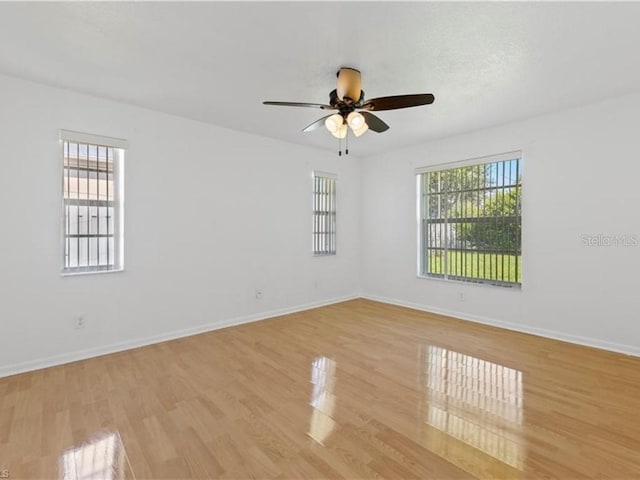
(486, 63)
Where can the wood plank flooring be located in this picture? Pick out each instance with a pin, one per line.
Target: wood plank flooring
(353, 390)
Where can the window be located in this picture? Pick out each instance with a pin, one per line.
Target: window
(470, 221)
(324, 213)
(92, 191)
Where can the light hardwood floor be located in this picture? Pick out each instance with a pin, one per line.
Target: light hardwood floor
(353, 390)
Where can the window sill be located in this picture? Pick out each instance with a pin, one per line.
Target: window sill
(97, 272)
(503, 286)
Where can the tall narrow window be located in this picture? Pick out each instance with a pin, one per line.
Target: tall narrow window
(324, 213)
(92, 191)
(470, 220)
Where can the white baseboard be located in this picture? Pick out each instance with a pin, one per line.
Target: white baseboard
(541, 332)
(55, 360)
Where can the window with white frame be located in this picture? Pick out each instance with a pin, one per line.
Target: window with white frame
(324, 213)
(470, 220)
(93, 197)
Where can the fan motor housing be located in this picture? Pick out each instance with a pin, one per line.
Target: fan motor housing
(349, 84)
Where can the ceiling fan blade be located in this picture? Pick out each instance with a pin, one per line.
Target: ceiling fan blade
(300, 104)
(374, 123)
(398, 101)
(316, 124)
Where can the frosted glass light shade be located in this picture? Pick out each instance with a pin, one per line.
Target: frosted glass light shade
(334, 122)
(341, 132)
(355, 120)
(361, 130)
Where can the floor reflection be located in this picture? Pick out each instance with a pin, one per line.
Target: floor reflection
(101, 458)
(323, 400)
(472, 412)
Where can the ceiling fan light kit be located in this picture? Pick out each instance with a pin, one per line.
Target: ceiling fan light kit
(359, 131)
(342, 131)
(354, 112)
(355, 120)
(334, 122)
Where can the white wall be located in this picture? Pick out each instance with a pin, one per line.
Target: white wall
(210, 215)
(581, 177)
(228, 189)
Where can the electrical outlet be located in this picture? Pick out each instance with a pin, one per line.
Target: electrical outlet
(259, 293)
(79, 322)
(461, 296)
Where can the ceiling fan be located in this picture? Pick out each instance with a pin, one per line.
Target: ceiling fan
(353, 111)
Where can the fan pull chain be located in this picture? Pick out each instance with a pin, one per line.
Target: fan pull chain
(346, 152)
(339, 147)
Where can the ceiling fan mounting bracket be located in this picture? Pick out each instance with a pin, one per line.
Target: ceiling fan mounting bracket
(346, 105)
